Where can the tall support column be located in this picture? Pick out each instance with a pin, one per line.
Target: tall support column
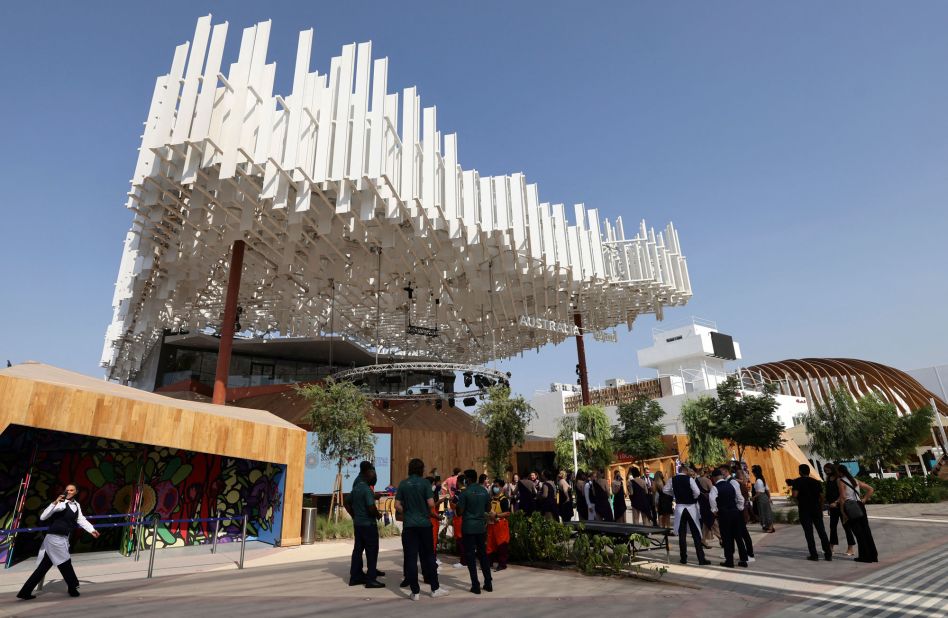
(227, 328)
(581, 356)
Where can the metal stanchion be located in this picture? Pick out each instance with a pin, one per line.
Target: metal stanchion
(243, 543)
(154, 543)
(217, 525)
(138, 538)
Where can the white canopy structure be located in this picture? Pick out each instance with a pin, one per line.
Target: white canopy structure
(346, 196)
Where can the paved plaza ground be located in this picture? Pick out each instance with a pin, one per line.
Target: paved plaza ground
(311, 580)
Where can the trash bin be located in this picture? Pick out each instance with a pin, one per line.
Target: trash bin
(309, 525)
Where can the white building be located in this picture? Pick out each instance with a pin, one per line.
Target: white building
(690, 361)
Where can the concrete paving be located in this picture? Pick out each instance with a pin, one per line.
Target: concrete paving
(312, 580)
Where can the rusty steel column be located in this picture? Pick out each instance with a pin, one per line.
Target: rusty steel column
(227, 328)
(581, 355)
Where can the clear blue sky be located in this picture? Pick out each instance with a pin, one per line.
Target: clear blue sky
(801, 149)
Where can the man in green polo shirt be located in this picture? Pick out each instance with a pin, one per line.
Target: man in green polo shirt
(414, 501)
(473, 505)
(365, 516)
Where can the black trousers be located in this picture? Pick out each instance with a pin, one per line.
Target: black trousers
(417, 543)
(835, 518)
(475, 546)
(864, 540)
(65, 569)
(809, 521)
(731, 523)
(566, 511)
(745, 536)
(685, 521)
(366, 540)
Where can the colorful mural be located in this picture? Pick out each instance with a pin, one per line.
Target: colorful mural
(120, 477)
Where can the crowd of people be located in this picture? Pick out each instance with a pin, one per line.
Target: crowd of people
(714, 503)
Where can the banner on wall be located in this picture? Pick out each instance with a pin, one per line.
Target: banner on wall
(318, 474)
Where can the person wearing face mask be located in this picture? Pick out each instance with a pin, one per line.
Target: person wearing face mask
(63, 515)
(498, 528)
(365, 515)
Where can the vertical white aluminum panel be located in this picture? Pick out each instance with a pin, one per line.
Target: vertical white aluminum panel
(360, 102)
(306, 147)
(620, 231)
(429, 161)
(549, 244)
(326, 115)
(182, 126)
(574, 245)
(533, 222)
(517, 218)
(595, 244)
(268, 114)
(390, 148)
(501, 211)
(377, 126)
(486, 201)
(295, 102)
(340, 148)
(205, 103)
(559, 234)
(145, 156)
(255, 80)
(468, 210)
(169, 99)
(230, 131)
(409, 140)
(451, 177)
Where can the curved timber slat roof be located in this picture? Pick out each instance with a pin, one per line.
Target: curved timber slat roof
(816, 378)
(346, 194)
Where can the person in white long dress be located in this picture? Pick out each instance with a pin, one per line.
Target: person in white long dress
(63, 515)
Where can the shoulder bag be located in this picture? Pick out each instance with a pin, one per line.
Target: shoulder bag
(853, 508)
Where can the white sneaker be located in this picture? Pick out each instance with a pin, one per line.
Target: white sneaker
(437, 562)
(440, 592)
(458, 565)
(751, 559)
(415, 596)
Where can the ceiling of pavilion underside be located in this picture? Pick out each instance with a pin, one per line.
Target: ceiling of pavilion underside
(338, 221)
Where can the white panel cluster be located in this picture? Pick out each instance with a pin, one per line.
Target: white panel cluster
(346, 195)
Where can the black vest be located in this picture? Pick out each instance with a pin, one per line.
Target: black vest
(63, 522)
(681, 486)
(727, 497)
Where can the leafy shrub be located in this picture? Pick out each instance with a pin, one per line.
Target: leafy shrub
(538, 539)
(328, 530)
(900, 491)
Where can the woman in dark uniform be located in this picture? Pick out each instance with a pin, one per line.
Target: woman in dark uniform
(618, 498)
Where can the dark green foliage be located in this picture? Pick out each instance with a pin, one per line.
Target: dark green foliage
(747, 420)
(906, 490)
(638, 432)
(538, 539)
(835, 426)
(504, 422)
(705, 448)
(596, 451)
(337, 416)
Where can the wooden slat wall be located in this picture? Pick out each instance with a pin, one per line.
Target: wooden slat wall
(61, 408)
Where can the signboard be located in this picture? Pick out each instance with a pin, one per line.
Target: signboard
(565, 329)
(319, 474)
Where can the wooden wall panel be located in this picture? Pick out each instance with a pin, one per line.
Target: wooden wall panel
(69, 409)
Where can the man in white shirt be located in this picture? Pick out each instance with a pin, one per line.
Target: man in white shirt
(685, 491)
(63, 515)
(727, 504)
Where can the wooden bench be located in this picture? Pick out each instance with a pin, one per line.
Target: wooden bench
(656, 536)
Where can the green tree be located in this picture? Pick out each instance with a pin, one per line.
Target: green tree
(888, 438)
(337, 416)
(747, 420)
(504, 422)
(639, 430)
(596, 450)
(836, 427)
(705, 448)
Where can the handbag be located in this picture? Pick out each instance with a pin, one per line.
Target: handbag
(853, 508)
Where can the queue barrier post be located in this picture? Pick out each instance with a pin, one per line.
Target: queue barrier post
(138, 538)
(217, 525)
(154, 543)
(243, 542)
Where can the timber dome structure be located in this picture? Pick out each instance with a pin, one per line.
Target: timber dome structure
(816, 378)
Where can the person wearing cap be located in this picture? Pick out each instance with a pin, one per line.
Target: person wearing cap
(365, 516)
(727, 504)
(685, 491)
